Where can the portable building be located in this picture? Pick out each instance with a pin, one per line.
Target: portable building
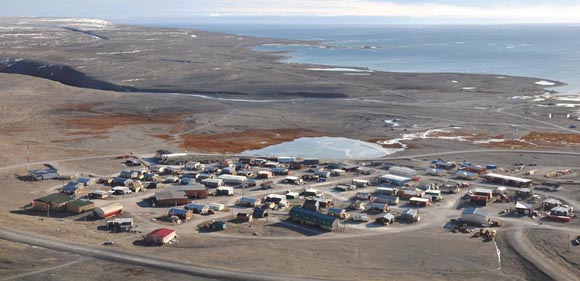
(194, 165)
(500, 190)
(312, 192)
(377, 207)
(524, 193)
(363, 195)
(408, 193)
(212, 183)
(264, 174)
(402, 171)
(270, 164)
(109, 210)
(387, 199)
(203, 176)
(286, 160)
(212, 170)
(260, 213)
(551, 203)
(324, 202)
(385, 219)
(474, 168)
(394, 180)
(196, 191)
(560, 211)
(98, 194)
(292, 180)
(292, 195)
(170, 197)
(52, 202)
(338, 172)
(507, 180)
(311, 161)
(229, 171)
(484, 192)
(280, 171)
(174, 158)
(44, 174)
(183, 214)
(360, 183)
(278, 199)
(360, 217)
(444, 165)
(249, 202)
(433, 195)
(475, 215)
(244, 217)
(305, 216)
(232, 180)
(72, 188)
(386, 191)
(245, 173)
(523, 208)
(118, 181)
(366, 170)
(120, 224)
(159, 153)
(466, 175)
(161, 236)
(87, 181)
(420, 202)
(187, 180)
(225, 191)
(197, 208)
(322, 173)
(79, 206)
(121, 190)
(217, 207)
(410, 215)
(344, 187)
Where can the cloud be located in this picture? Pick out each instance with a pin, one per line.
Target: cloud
(555, 12)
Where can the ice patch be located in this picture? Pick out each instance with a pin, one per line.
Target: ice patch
(469, 88)
(193, 36)
(340, 69)
(117, 53)
(393, 122)
(454, 81)
(545, 83)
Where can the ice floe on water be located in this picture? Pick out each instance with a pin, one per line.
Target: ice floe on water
(545, 83)
(340, 69)
(393, 122)
(469, 88)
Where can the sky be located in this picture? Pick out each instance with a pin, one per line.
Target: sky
(492, 11)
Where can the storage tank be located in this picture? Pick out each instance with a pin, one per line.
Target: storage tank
(109, 210)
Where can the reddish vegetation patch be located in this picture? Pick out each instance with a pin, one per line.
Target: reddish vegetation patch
(84, 107)
(557, 138)
(239, 141)
(106, 122)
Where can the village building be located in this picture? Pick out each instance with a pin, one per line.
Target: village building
(183, 214)
(466, 175)
(79, 206)
(305, 216)
(244, 217)
(387, 199)
(196, 191)
(551, 203)
(108, 211)
(159, 237)
(337, 212)
(523, 208)
(419, 201)
(72, 188)
(360, 183)
(170, 197)
(264, 174)
(402, 171)
(444, 165)
(197, 208)
(224, 191)
(53, 202)
(120, 224)
(385, 219)
(507, 180)
(249, 202)
(216, 207)
(98, 194)
(410, 215)
(476, 216)
(394, 180)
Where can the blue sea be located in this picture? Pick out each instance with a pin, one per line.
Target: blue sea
(542, 51)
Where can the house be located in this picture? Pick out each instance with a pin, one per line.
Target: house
(225, 191)
(363, 195)
(197, 208)
(551, 203)
(286, 160)
(280, 171)
(246, 173)
(391, 191)
(79, 206)
(212, 183)
(344, 187)
(444, 165)
(232, 180)
(360, 217)
(387, 199)
(120, 224)
(365, 170)
(358, 205)
(193, 165)
(507, 180)
(244, 217)
(171, 197)
(322, 173)
(337, 172)
(311, 204)
(260, 213)
(87, 181)
(385, 219)
(337, 212)
(264, 174)
(119, 181)
(410, 215)
(360, 183)
(560, 211)
(183, 214)
(419, 201)
(305, 216)
(478, 200)
(466, 175)
(52, 202)
(292, 195)
(121, 190)
(435, 172)
(72, 188)
(476, 216)
(292, 180)
(484, 192)
(249, 202)
(98, 194)
(277, 199)
(377, 207)
(44, 174)
(216, 207)
(196, 191)
(408, 193)
(160, 236)
(312, 192)
(229, 171)
(394, 180)
(523, 208)
(109, 210)
(402, 171)
(350, 168)
(474, 168)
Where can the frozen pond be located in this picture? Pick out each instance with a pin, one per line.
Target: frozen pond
(324, 147)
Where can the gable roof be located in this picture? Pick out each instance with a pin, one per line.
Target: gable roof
(55, 198)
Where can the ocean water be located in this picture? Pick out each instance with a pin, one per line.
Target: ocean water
(542, 51)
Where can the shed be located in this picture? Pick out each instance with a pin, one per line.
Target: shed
(402, 171)
(225, 191)
(217, 207)
(109, 210)
(475, 215)
(507, 180)
(120, 224)
(161, 236)
(523, 208)
(260, 213)
(305, 216)
(394, 180)
(87, 181)
(79, 206)
(377, 207)
(244, 217)
(183, 214)
(410, 215)
(385, 219)
(387, 199)
(98, 194)
(52, 202)
(551, 203)
(249, 202)
(337, 212)
(359, 183)
(484, 192)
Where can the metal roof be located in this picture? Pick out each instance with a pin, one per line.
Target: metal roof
(56, 198)
(312, 216)
(170, 194)
(510, 178)
(475, 211)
